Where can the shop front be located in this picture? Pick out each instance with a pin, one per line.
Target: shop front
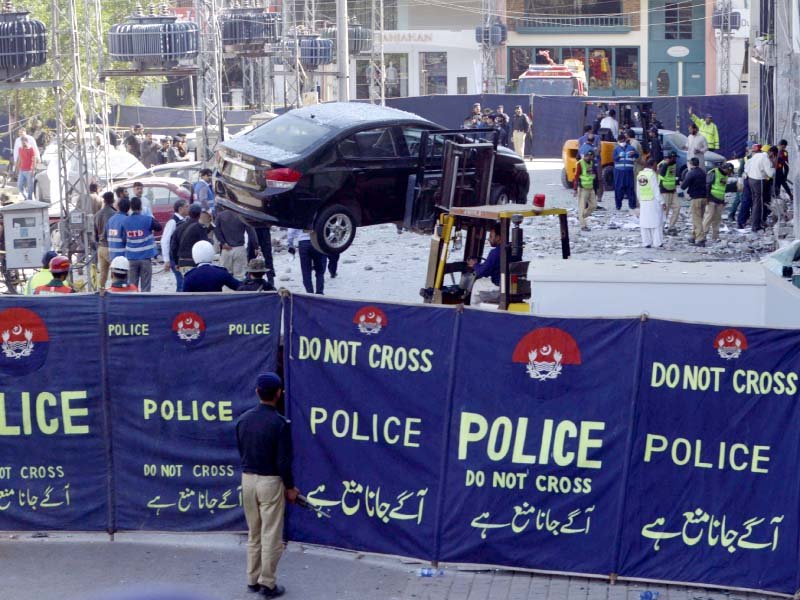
(420, 63)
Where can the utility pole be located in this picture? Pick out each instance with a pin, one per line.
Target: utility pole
(209, 80)
(343, 50)
(488, 49)
(377, 66)
(73, 169)
(724, 8)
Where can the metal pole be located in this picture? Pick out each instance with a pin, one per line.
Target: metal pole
(343, 50)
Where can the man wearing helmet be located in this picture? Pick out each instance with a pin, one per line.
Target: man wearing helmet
(207, 277)
(59, 268)
(119, 276)
(44, 276)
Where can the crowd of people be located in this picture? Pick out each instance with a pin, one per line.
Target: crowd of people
(513, 130)
(168, 149)
(648, 178)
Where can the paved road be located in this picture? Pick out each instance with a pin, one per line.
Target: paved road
(81, 567)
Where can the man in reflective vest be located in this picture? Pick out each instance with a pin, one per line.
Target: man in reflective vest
(140, 244)
(586, 184)
(708, 128)
(44, 275)
(624, 163)
(651, 211)
(119, 276)
(716, 182)
(668, 186)
(59, 268)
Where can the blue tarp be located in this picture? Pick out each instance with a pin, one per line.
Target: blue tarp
(650, 449)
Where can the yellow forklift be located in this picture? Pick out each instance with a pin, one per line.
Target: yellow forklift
(629, 113)
(475, 222)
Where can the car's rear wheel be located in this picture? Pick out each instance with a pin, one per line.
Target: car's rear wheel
(334, 229)
(500, 195)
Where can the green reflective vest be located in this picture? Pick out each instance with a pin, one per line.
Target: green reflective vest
(669, 181)
(645, 191)
(718, 187)
(587, 175)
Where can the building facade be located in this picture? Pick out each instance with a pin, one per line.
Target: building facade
(628, 47)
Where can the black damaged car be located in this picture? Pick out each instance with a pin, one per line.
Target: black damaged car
(330, 168)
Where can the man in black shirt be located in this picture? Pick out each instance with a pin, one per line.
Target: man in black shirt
(265, 447)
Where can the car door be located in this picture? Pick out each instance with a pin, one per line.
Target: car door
(378, 172)
(161, 200)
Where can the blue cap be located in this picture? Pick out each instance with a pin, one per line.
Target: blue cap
(48, 256)
(269, 381)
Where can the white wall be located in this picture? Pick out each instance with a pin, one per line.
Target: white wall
(463, 56)
(742, 294)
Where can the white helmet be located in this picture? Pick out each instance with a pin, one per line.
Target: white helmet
(202, 252)
(120, 264)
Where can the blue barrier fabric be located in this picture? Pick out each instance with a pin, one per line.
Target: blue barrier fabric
(712, 493)
(53, 454)
(368, 386)
(537, 441)
(181, 369)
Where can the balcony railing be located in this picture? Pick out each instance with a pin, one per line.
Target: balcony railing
(575, 24)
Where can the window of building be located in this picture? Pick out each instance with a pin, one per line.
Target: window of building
(518, 61)
(396, 78)
(559, 7)
(608, 70)
(678, 20)
(432, 73)
(461, 85)
(599, 71)
(626, 68)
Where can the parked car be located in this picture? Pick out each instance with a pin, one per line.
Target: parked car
(188, 170)
(675, 140)
(162, 193)
(331, 168)
(121, 164)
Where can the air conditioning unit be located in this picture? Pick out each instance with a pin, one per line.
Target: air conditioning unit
(730, 22)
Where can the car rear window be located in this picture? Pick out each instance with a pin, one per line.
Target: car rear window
(290, 133)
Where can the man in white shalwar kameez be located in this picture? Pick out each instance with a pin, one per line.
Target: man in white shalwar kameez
(651, 207)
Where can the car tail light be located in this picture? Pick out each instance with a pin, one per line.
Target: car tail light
(284, 179)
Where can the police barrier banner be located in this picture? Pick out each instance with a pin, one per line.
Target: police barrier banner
(368, 388)
(181, 369)
(53, 452)
(712, 493)
(541, 410)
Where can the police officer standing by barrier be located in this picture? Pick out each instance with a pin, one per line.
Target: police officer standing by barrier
(265, 447)
(668, 185)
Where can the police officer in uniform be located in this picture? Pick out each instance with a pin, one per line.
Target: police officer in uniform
(587, 185)
(716, 182)
(264, 441)
(668, 186)
(624, 164)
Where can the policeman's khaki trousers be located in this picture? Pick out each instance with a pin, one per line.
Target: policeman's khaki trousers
(587, 202)
(712, 218)
(698, 210)
(519, 142)
(672, 205)
(264, 505)
(235, 260)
